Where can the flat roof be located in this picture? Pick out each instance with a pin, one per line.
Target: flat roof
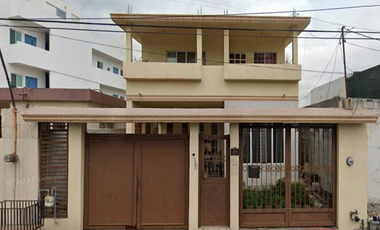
(141, 23)
(143, 115)
(61, 95)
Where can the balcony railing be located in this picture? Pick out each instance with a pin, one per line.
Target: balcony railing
(262, 72)
(21, 214)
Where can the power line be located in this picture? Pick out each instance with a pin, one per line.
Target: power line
(189, 34)
(325, 71)
(340, 24)
(247, 13)
(364, 47)
(209, 60)
(178, 27)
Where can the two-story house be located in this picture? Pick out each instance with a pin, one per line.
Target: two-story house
(215, 138)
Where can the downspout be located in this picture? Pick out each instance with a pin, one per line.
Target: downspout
(11, 158)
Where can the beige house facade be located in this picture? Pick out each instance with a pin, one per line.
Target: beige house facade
(214, 136)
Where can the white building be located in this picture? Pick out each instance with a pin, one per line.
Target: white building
(53, 58)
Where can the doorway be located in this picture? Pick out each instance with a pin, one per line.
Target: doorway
(214, 180)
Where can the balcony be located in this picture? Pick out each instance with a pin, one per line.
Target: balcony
(162, 71)
(262, 72)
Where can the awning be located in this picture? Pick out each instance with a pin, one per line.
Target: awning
(144, 115)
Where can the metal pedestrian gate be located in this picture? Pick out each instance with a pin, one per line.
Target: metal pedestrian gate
(288, 175)
(136, 181)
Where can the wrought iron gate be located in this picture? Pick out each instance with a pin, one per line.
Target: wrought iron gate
(287, 175)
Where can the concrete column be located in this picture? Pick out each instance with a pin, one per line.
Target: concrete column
(352, 180)
(226, 46)
(199, 46)
(234, 178)
(129, 45)
(130, 127)
(193, 175)
(295, 48)
(76, 168)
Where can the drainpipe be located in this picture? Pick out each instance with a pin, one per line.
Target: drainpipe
(11, 158)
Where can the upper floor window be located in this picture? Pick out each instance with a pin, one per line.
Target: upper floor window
(121, 72)
(61, 13)
(100, 65)
(16, 80)
(265, 58)
(238, 58)
(115, 96)
(30, 40)
(184, 57)
(15, 36)
(31, 82)
(115, 70)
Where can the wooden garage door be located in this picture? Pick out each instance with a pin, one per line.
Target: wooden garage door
(163, 184)
(110, 199)
(136, 181)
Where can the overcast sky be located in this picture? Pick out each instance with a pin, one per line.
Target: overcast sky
(313, 54)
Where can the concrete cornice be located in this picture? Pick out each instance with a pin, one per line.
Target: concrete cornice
(298, 115)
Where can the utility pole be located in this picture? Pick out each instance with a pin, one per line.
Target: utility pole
(344, 61)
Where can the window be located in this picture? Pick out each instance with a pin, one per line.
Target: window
(115, 96)
(100, 65)
(214, 129)
(16, 80)
(122, 98)
(185, 128)
(184, 57)
(238, 58)
(121, 72)
(263, 145)
(201, 128)
(115, 70)
(169, 128)
(31, 82)
(106, 125)
(191, 57)
(265, 58)
(60, 13)
(30, 40)
(171, 56)
(15, 36)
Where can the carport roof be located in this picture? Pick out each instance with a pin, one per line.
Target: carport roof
(144, 115)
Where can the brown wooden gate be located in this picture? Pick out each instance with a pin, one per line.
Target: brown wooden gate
(288, 175)
(136, 181)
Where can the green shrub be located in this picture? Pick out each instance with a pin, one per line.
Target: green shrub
(273, 196)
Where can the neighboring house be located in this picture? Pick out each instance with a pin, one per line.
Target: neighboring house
(43, 143)
(53, 58)
(363, 90)
(215, 138)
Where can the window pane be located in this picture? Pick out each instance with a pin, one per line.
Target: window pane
(203, 58)
(185, 128)
(214, 129)
(181, 57)
(191, 57)
(115, 70)
(100, 65)
(171, 56)
(30, 40)
(232, 56)
(13, 37)
(243, 56)
(169, 128)
(13, 80)
(237, 56)
(18, 81)
(232, 61)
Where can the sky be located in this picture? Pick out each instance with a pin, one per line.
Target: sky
(313, 54)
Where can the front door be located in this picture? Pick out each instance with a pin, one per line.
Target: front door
(214, 179)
